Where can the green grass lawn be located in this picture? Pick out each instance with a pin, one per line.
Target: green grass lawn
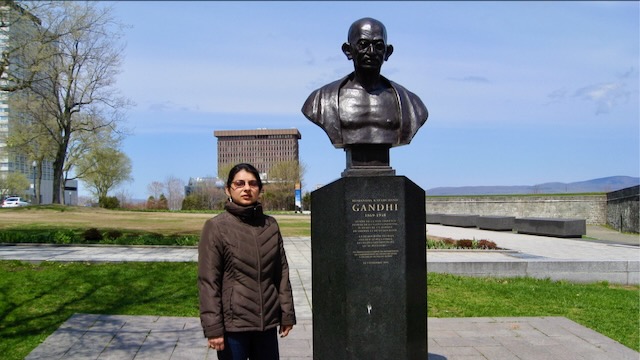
(611, 310)
(67, 224)
(36, 299)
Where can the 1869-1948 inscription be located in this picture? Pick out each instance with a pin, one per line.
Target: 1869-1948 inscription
(375, 229)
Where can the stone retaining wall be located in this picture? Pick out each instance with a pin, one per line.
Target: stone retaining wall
(592, 208)
(623, 209)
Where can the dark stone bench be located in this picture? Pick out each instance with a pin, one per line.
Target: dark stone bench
(552, 227)
(433, 218)
(458, 220)
(497, 223)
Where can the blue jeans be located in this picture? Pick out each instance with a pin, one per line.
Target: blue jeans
(252, 345)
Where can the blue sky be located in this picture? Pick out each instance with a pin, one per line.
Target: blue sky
(519, 93)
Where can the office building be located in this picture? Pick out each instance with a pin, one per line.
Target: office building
(261, 148)
(202, 184)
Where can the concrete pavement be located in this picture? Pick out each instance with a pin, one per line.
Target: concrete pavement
(95, 336)
(610, 257)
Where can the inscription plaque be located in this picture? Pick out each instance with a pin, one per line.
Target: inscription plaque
(375, 230)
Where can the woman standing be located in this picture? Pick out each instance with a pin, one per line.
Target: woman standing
(243, 275)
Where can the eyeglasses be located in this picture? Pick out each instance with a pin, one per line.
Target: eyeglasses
(241, 183)
(377, 45)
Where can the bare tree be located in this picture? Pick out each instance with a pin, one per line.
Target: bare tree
(279, 194)
(76, 84)
(155, 189)
(288, 172)
(206, 195)
(125, 198)
(175, 192)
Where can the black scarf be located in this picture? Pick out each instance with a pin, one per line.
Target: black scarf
(251, 214)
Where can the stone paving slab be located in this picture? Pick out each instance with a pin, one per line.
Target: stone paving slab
(90, 336)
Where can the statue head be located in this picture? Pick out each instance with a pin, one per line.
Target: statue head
(367, 44)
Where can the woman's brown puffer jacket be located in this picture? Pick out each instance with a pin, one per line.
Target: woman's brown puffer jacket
(243, 275)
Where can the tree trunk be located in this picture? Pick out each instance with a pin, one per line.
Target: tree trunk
(58, 163)
(38, 183)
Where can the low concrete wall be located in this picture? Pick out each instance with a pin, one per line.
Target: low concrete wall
(616, 272)
(623, 209)
(592, 208)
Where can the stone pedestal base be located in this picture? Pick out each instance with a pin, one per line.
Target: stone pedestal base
(368, 246)
(368, 160)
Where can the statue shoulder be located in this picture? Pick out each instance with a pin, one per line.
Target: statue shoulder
(410, 99)
(327, 94)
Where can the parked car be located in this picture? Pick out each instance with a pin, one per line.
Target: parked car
(14, 201)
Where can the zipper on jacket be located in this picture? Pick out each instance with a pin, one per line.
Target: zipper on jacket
(255, 240)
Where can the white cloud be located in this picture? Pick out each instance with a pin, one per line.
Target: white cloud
(169, 106)
(471, 79)
(557, 95)
(605, 95)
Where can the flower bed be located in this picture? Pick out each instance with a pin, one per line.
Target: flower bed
(434, 242)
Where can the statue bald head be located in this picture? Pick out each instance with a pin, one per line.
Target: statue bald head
(367, 44)
(366, 25)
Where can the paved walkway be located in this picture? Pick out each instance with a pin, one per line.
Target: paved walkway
(606, 256)
(95, 336)
(610, 245)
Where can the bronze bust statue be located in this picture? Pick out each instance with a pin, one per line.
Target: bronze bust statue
(364, 112)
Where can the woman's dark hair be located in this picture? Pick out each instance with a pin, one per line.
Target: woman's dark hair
(246, 167)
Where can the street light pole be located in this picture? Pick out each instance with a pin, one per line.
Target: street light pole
(35, 199)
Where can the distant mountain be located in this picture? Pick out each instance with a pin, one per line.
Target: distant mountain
(606, 184)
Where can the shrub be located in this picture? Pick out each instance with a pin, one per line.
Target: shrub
(64, 236)
(487, 244)
(109, 202)
(465, 244)
(92, 234)
(113, 234)
(150, 238)
(187, 240)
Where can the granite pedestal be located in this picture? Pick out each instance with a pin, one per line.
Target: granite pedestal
(368, 247)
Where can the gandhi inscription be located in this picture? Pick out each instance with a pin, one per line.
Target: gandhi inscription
(375, 228)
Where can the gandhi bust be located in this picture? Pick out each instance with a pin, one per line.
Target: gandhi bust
(365, 108)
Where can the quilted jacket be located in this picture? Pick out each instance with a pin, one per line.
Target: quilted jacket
(243, 275)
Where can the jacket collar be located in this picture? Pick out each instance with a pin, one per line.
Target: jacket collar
(246, 213)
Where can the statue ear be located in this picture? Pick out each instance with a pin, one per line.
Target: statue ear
(389, 52)
(346, 49)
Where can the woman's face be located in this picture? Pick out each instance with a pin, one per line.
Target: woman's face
(244, 188)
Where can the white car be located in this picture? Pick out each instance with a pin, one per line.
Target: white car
(14, 201)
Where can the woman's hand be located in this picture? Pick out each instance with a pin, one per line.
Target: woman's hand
(216, 343)
(284, 330)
